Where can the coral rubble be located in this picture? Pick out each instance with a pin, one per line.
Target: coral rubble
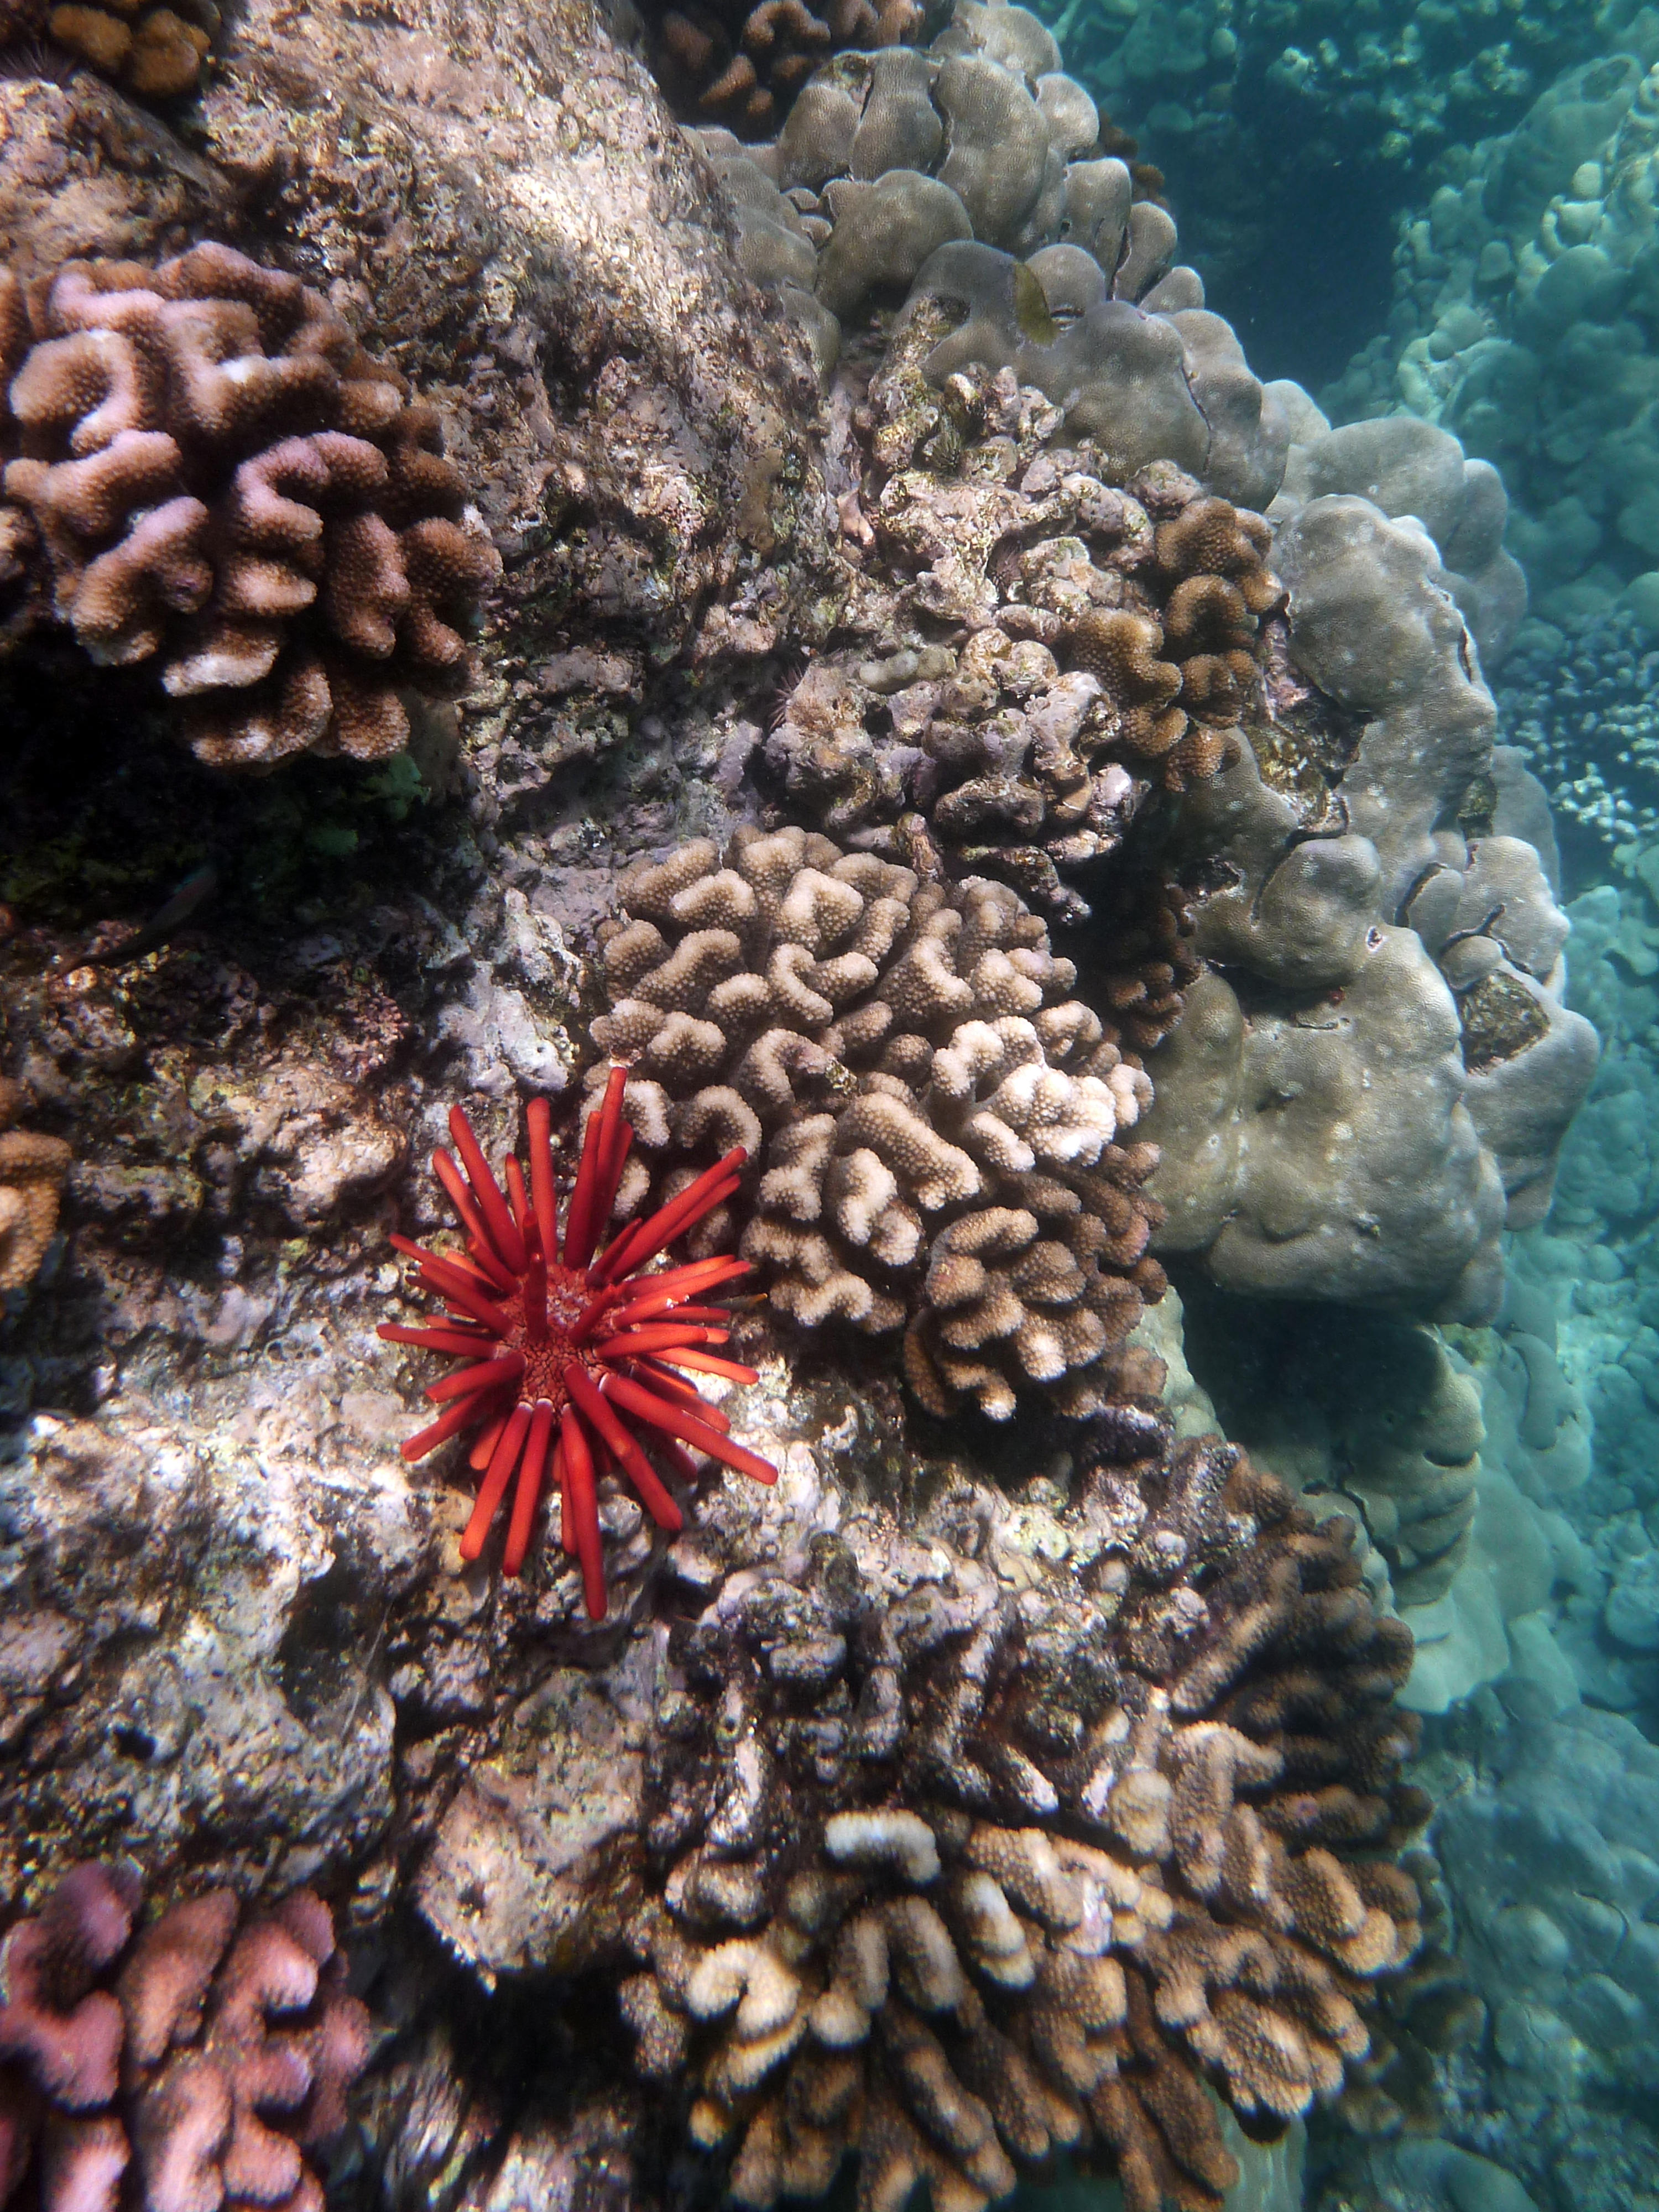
(223, 483)
(571, 1335)
(205, 2057)
(938, 1129)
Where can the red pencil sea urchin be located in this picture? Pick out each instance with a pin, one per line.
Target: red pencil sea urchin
(570, 1358)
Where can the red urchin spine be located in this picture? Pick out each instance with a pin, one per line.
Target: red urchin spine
(568, 1356)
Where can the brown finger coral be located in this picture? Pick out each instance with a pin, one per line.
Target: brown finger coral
(726, 62)
(201, 2059)
(941, 1137)
(153, 52)
(951, 1878)
(32, 1171)
(226, 486)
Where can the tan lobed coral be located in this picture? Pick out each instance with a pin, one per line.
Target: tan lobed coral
(939, 1140)
(205, 2057)
(32, 1171)
(952, 1876)
(225, 485)
(1113, 636)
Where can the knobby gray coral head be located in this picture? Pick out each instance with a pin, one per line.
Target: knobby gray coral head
(940, 1138)
(952, 1876)
(223, 483)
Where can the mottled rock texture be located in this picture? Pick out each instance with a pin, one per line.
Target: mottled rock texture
(501, 210)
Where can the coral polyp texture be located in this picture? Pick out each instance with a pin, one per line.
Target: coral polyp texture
(952, 1877)
(1078, 644)
(570, 1354)
(226, 486)
(189, 2063)
(32, 1171)
(942, 1137)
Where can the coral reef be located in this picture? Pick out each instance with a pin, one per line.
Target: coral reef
(1576, 698)
(1380, 884)
(155, 54)
(953, 1880)
(645, 451)
(1113, 646)
(1261, 109)
(1371, 1412)
(936, 1129)
(560, 1333)
(1137, 1704)
(225, 484)
(1521, 319)
(1410, 468)
(887, 158)
(32, 1171)
(1543, 1841)
(205, 2057)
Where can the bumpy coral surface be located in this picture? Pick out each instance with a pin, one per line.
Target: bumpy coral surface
(569, 1351)
(1580, 700)
(1523, 321)
(187, 2063)
(953, 1877)
(1408, 1087)
(1113, 646)
(888, 158)
(32, 1171)
(938, 1132)
(226, 485)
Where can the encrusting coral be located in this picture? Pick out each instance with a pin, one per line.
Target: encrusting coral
(939, 1133)
(1112, 646)
(207, 2058)
(32, 1171)
(574, 1338)
(952, 1873)
(226, 485)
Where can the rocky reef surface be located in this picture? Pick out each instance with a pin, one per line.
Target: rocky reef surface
(497, 584)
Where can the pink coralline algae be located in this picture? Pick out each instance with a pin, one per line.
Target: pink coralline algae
(573, 1360)
(187, 2066)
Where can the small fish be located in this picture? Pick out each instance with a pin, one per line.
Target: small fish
(195, 890)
